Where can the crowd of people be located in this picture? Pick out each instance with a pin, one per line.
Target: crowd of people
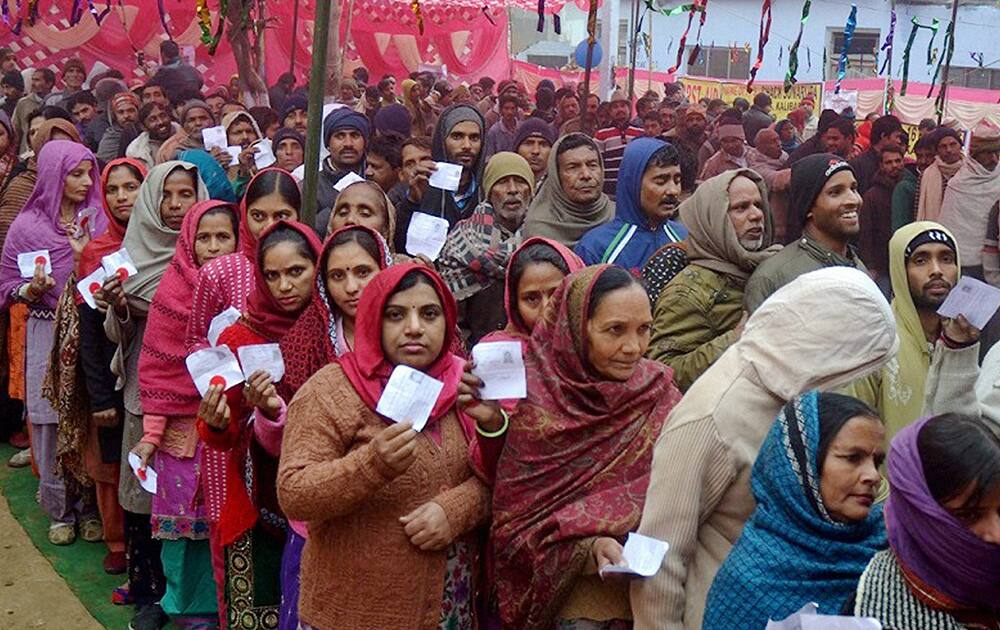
(729, 328)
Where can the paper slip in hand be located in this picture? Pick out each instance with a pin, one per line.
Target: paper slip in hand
(643, 556)
(409, 396)
(264, 156)
(426, 235)
(119, 264)
(220, 322)
(265, 356)
(447, 176)
(85, 220)
(976, 300)
(348, 179)
(234, 155)
(807, 619)
(501, 368)
(299, 173)
(146, 476)
(213, 137)
(26, 262)
(214, 366)
(91, 285)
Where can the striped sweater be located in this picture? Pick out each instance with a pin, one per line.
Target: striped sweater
(612, 142)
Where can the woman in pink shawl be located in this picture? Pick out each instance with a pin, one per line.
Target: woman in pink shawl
(67, 183)
(170, 406)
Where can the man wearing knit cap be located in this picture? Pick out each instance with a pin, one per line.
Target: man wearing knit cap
(935, 354)
(970, 195)
(688, 135)
(478, 249)
(533, 142)
(346, 134)
(731, 155)
(949, 153)
(289, 149)
(824, 196)
(294, 113)
(458, 139)
(124, 127)
(613, 140)
(394, 120)
(73, 75)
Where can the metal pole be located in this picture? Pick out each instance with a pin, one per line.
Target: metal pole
(317, 87)
(295, 34)
(634, 41)
(943, 95)
(591, 28)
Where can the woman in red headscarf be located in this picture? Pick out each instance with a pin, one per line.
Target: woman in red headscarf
(572, 478)
(387, 507)
(244, 424)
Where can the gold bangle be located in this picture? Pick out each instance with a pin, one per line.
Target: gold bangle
(498, 432)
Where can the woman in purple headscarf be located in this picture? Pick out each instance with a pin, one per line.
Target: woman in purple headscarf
(67, 184)
(942, 569)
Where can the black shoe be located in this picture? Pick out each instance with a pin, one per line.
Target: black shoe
(149, 617)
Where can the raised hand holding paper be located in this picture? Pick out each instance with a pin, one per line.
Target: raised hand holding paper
(348, 179)
(409, 396)
(85, 220)
(447, 176)
(426, 235)
(976, 300)
(214, 366)
(26, 262)
(119, 264)
(213, 137)
(500, 367)
(91, 285)
(234, 155)
(643, 556)
(265, 154)
(220, 322)
(147, 476)
(265, 356)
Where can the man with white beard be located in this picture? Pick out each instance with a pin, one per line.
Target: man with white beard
(700, 312)
(824, 195)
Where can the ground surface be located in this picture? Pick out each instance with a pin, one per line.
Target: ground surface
(43, 586)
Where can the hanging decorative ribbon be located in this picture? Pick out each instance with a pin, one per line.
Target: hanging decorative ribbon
(933, 28)
(98, 15)
(415, 7)
(678, 10)
(163, 18)
(887, 46)
(793, 52)
(541, 16)
(699, 5)
(205, 23)
(765, 34)
(852, 23)
(5, 15)
(489, 18)
(949, 50)
(76, 12)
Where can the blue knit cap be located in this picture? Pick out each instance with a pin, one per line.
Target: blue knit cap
(345, 118)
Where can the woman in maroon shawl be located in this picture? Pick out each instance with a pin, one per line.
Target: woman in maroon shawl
(573, 475)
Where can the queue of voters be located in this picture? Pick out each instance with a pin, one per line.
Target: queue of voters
(542, 361)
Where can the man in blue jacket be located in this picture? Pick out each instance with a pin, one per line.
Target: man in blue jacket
(646, 201)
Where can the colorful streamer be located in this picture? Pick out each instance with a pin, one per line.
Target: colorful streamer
(765, 34)
(486, 12)
(793, 52)
(541, 16)
(415, 7)
(852, 23)
(949, 50)
(699, 5)
(888, 42)
(933, 28)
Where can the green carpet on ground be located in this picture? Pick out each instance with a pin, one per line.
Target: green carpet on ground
(79, 564)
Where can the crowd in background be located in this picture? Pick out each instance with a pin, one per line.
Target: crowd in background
(729, 327)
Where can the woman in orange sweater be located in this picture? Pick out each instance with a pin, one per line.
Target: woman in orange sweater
(388, 509)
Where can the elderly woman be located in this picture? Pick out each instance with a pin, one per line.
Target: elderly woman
(816, 524)
(942, 568)
(573, 473)
(474, 259)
